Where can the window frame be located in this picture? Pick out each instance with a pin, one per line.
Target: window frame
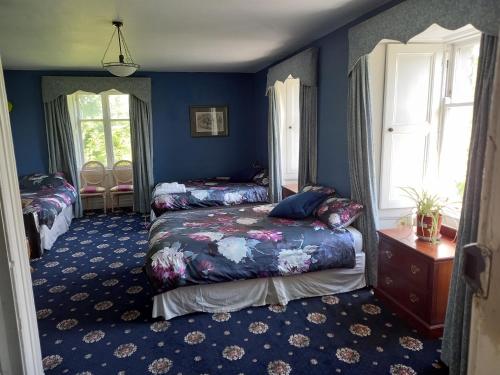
(106, 120)
(451, 216)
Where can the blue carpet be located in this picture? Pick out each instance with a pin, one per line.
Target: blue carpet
(94, 309)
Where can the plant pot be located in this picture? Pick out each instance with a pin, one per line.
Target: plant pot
(428, 227)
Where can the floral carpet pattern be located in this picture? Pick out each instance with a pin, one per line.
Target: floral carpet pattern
(94, 314)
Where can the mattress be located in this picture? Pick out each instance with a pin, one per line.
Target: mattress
(236, 295)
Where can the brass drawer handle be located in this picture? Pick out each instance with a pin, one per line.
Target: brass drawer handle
(414, 269)
(413, 298)
(388, 280)
(388, 254)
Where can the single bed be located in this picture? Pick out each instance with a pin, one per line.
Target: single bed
(222, 260)
(47, 201)
(208, 193)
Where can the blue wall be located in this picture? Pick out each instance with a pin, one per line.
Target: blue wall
(333, 164)
(177, 155)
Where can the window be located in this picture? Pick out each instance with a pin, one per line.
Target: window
(102, 126)
(457, 118)
(288, 99)
(429, 98)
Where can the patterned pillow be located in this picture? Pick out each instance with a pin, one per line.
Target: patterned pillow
(339, 212)
(318, 188)
(39, 180)
(261, 178)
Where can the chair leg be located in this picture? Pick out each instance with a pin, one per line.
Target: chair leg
(112, 202)
(104, 201)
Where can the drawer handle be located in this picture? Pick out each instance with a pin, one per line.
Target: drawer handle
(388, 254)
(413, 298)
(388, 280)
(414, 269)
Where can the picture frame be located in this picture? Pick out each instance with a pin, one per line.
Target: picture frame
(209, 120)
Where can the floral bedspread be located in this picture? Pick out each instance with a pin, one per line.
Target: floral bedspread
(46, 195)
(209, 193)
(237, 243)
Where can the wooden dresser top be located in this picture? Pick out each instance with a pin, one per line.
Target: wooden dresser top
(444, 249)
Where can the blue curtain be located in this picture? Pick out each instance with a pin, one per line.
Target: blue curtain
(458, 314)
(61, 145)
(308, 139)
(361, 169)
(141, 132)
(274, 147)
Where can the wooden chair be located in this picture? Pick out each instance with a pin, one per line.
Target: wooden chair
(93, 175)
(122, 172)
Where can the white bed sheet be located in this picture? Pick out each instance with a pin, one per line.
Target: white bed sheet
(60, 226)
(236, 295)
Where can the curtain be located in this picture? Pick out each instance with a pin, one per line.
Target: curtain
(142, 153)
(361, 169)
(61, 145)
(308, 143)
(455, 345)
(274, 147)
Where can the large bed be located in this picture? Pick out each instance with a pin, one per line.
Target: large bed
(208, 193)
(225, 259)
(47, 202)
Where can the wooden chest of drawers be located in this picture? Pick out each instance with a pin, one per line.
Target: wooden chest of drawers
(414, 277)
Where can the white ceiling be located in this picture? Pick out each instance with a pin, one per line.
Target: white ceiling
(167, 35)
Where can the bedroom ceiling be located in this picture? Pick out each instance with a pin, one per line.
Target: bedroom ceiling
(167, 35)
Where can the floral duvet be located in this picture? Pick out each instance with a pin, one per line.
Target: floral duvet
(46, 195)
(237, 243)
(209, 193)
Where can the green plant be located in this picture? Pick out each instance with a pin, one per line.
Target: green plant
(427, 204)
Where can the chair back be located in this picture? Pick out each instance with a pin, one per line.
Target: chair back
(122, 172)
(93, 173)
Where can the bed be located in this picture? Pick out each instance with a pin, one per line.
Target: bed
(47, 201)
(208, 193)
(225, 259)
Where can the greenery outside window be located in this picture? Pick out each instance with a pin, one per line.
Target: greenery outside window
(102, 126)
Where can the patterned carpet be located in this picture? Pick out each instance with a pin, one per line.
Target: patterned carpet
(94, 309)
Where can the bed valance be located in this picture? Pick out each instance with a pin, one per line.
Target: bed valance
(303, 65)
(53, 86)
(409, 18)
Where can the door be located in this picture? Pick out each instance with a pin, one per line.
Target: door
(411, 114)
(484, 345)
(19, 343)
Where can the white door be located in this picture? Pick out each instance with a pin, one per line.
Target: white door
(19, 343)
(484, 346)
(411, 113)
(291, 130)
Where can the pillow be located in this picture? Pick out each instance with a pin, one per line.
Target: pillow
(298, 206)
(39, 180)
(338, 212)
(261, 178)
(319, 188)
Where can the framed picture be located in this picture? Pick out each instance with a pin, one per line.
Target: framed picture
(208, 121)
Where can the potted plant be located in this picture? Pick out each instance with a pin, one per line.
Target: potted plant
(429, 213)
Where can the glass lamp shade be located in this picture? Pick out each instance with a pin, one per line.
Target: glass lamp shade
(120, 69)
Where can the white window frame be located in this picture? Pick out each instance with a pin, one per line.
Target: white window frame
(451, 216)
(107, 122)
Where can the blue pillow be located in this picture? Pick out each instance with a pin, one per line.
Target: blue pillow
(298, 206)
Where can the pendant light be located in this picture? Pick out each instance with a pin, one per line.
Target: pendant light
(125, 65)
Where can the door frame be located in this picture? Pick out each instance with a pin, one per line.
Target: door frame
(18, 322)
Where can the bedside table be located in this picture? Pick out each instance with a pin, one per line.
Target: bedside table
(414, 277)
(289, 189)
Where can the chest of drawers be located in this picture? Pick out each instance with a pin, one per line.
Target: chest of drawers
(414, 277)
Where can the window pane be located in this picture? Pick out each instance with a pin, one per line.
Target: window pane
(118, 106)
(464, 77)
(120, 131)
(455, 152)
(90, 106)
(94, 146)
